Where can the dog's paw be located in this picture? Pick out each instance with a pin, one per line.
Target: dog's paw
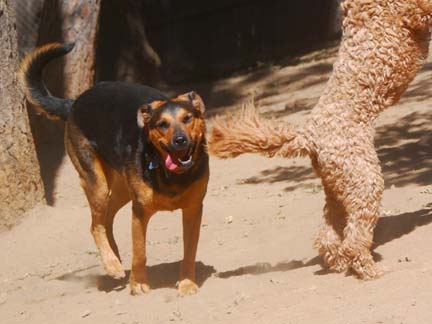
(369, 271)
(336, 262)
(139, 288)
(113, 267)
(187, 287)
(340, 264)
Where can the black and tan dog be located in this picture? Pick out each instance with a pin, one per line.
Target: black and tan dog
(130, 142)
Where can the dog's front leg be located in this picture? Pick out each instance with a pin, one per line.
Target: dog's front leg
(191, 231)
(138, 278)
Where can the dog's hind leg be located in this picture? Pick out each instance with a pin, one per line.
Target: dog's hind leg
(358, 242)
(363, 205)
(103, 209)
(96, 184)
(328, 239)
(118, 197)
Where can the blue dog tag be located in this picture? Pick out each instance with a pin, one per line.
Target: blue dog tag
(153, 165)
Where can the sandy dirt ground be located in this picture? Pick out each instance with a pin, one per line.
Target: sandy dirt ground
(255, 260)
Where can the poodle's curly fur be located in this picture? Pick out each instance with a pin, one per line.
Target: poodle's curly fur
(383, 45)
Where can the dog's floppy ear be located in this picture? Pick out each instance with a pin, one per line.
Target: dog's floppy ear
(195, 99)
(144, 114)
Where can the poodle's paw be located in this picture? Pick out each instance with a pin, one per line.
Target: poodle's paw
(339, 264)
(187, 287)
(335, 261)
(368, 270)
(139, 288)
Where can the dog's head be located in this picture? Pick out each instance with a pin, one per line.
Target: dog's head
(176, 128)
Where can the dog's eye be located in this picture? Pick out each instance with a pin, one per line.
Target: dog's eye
(187, 119)
(163, 125)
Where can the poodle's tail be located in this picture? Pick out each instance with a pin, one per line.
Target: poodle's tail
(245, 132)
(30, 76)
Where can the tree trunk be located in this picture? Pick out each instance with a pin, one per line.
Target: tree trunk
(27, 15)
(20, 182)
(63, 21)
(71, 21)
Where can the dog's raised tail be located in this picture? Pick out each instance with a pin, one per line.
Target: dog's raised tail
(30, 76)
(245, 132)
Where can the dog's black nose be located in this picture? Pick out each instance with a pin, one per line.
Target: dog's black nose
(180, 142)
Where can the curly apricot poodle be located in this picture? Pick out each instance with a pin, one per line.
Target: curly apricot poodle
(384, 43)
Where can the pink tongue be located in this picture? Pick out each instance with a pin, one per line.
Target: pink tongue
(170, 165)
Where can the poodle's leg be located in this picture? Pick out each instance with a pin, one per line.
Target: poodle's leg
(358, 241)
(330, 235)
(363, 205)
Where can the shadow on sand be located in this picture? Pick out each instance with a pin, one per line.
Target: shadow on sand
(388, 229)
(164, 275)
